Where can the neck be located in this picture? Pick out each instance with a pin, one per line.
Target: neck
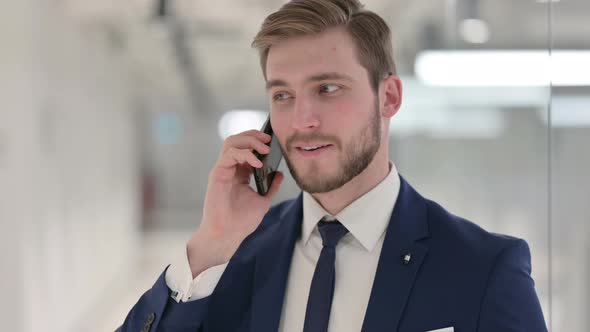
(336, 200)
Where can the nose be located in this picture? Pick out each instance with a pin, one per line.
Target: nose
(305, 115)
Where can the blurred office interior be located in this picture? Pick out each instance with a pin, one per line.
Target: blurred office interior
(113, 113)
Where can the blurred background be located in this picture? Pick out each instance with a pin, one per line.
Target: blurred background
(113, 113)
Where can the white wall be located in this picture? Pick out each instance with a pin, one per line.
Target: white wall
(68, 168)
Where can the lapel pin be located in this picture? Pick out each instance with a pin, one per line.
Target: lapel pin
(407, 258)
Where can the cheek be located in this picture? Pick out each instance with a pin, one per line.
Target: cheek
(351, 102)
(336, 115)
(345, 113)
(350, 119)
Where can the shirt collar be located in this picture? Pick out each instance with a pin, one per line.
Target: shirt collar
(366, 218)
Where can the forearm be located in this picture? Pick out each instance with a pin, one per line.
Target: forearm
(157, 311)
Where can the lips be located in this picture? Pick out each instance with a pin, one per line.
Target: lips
(312, 147)
(308, 145)
(314, 150)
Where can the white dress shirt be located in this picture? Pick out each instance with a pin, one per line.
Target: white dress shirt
(357, 256)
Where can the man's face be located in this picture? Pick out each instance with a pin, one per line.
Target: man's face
(320, 95)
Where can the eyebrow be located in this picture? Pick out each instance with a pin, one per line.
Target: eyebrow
(315, 78)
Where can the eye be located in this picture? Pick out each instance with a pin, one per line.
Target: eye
(280, 96)
(329, 88)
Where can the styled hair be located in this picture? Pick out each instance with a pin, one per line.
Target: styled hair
(369, 31)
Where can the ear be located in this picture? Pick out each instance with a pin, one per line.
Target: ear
(391, 95)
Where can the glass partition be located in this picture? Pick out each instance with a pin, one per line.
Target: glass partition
(569, 140)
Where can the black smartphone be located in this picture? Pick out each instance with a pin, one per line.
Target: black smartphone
(270, 161)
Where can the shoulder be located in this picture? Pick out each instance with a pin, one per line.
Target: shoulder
(278, 211)
(271, 225)
(480, 274)
(468, 243)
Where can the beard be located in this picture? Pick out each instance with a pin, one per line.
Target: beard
(355, 157)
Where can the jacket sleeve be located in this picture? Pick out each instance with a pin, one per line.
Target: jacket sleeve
(157, 311)
(510, 303)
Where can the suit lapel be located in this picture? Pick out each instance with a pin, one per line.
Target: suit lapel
(272, 268)
(394, 278)
(396, 271)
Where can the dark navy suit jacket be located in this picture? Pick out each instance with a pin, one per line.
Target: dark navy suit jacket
(459, 275)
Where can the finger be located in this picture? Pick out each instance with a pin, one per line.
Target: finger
(255, 133)
(246, 142)
(234, 156)
(275, 185)
(250, 133)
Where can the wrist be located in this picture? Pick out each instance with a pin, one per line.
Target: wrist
(204, 252)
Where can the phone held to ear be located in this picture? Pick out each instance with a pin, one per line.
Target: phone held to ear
(270, 162)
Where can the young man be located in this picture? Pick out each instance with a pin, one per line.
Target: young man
(359, 249)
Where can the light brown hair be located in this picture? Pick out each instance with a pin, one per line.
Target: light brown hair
(369, 31)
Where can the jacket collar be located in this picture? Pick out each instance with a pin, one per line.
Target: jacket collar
(393, 280)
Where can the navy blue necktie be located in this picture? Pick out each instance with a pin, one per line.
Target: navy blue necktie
(321, 292)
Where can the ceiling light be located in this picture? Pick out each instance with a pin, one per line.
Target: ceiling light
(474, 31)
(237, 121)
(504, 68)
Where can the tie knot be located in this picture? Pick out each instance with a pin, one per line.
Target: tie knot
(332, 232)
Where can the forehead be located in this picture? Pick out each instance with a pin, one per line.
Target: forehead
(299, 57)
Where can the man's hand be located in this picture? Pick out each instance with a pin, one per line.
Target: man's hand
(232, 209)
